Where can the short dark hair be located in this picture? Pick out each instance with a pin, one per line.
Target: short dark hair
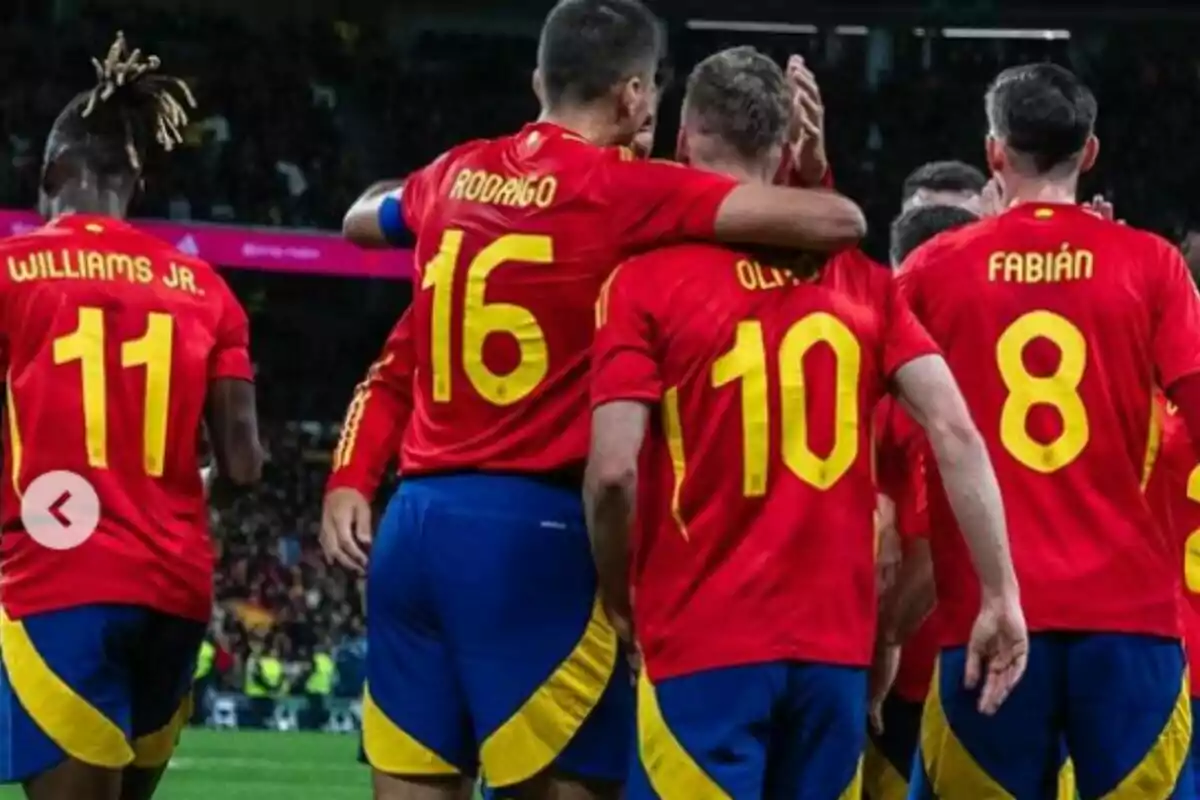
(1042, 112)
(589, 46)
(740, 96)
(918, 225)
(110, 128)
(943, 176)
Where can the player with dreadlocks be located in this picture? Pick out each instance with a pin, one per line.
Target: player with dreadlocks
(116, 348)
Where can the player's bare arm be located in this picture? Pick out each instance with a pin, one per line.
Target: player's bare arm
(1000, 637)
(911, 598)
(609, 495)
(361, 224)
(931, 395)
(777, 216)
(232, 420)
(887, 545)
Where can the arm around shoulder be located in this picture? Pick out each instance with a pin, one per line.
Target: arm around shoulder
(784, 217)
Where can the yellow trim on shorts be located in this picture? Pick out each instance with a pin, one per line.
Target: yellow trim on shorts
(881, 779)
(951, 769)
(1158, 772)
(530, 740)
(1067, 789)
(672, 771)
(155, 749)
(71, 722)
(854, 789)
(393, 751)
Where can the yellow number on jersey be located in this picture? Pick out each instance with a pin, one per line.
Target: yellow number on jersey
(153, 351)
(1059, 390)
(747, 362)
(481, 319)
(1191, 557)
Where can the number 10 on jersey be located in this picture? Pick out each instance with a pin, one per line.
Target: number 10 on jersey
(746, 364)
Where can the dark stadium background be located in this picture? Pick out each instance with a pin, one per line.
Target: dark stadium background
(344, 92)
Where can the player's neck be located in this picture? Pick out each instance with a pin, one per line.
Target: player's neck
(1019, 190)
(105, 203)
(734, 168)
(584, 123)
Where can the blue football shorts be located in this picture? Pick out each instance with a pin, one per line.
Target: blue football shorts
(780, 730)
(488, 648)
(890, 752)
(108, 685)
(1116, 703)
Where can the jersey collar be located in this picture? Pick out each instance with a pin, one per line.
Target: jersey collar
(92, 223)
(554, 130)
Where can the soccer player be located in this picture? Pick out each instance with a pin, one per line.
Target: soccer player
(754, 568)
(1174, 488)
(1058, 325)
(905, 610)
(943, 183)
(487, 644)
(115, 348)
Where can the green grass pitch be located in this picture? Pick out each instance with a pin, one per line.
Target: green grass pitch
(257, 765)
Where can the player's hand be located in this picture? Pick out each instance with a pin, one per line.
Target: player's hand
(991, 199)
(643, 141)
(808, 124)
(622, 623)
(346, 528)
(1102, 208)
(888, 552)
(633, 658)
(998, 651)
(884, 667)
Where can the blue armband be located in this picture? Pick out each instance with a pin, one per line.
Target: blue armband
(391, 222)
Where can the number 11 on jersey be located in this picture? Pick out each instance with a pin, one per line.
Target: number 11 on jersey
(153, 351)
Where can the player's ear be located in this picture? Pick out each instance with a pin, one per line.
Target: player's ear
(997, 159)
(1091, 151)
(681, 147)
(633, 101)
(539, 90)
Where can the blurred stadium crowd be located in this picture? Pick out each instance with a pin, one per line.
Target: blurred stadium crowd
(295, 122)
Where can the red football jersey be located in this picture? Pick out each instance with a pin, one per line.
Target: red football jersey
(756, 502)
(374, 425)
(514, 238)
(1058, 325)
(901, 451)
(1175, 491)
(109, 339)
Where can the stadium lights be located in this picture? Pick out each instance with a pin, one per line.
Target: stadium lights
(1047, 35)
(746, 26)
(740, 26)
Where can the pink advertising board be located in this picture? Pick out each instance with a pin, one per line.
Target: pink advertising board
(273, 250)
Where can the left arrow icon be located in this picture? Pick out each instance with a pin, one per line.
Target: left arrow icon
(60, 510)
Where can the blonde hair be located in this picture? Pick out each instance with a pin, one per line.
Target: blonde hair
(128, 84)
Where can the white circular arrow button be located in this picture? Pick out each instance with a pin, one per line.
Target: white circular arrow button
(60, 510)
